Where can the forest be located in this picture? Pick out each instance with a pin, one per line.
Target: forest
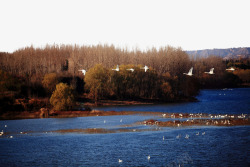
(35, 73)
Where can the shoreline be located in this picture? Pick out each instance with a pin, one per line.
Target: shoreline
(170, 120)
(137, 102)
(79, 112)
(176, 119)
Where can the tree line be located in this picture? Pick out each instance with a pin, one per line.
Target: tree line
(40, 69)
(39, 61)
(102, 82)
(34, 63)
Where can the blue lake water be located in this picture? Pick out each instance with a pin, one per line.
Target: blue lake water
(233, 101)
(220, 146)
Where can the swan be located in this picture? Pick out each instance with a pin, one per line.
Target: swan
(211, 71)
(131, 69)
(187, 136)
(83, 71)
(148, 157)
(120, 161)
(117, 68)
(230, 69)
(197, 133)
(203, 133)
(145, 68)
(189, 72)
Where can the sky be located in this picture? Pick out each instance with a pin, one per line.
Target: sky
(131, 24)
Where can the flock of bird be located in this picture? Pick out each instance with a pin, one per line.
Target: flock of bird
(120, 161)
(2, 132)
(177, 137)
(187, 136)
(145, 68)
(131, 69)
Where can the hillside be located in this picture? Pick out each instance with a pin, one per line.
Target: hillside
(225, 53)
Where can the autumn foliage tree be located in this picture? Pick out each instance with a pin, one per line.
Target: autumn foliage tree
(134, 84)
(137, 84)
(63, 97)
(164, 80)
(49, 82)
(96, 81)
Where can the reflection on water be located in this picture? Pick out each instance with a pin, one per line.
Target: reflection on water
(42, 142)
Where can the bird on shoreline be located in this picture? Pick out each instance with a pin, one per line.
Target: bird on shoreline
(189, 72)
(211, 71)
(1, 133)
(117, 68)
(83, 71)
(145, 68)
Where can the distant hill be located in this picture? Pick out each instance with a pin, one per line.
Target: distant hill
(225, 53)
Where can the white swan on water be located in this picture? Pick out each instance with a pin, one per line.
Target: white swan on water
(148, 157)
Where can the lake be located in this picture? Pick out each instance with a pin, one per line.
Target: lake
(39, 142)
(230, 101)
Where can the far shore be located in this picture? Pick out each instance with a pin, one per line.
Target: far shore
(136, 102)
